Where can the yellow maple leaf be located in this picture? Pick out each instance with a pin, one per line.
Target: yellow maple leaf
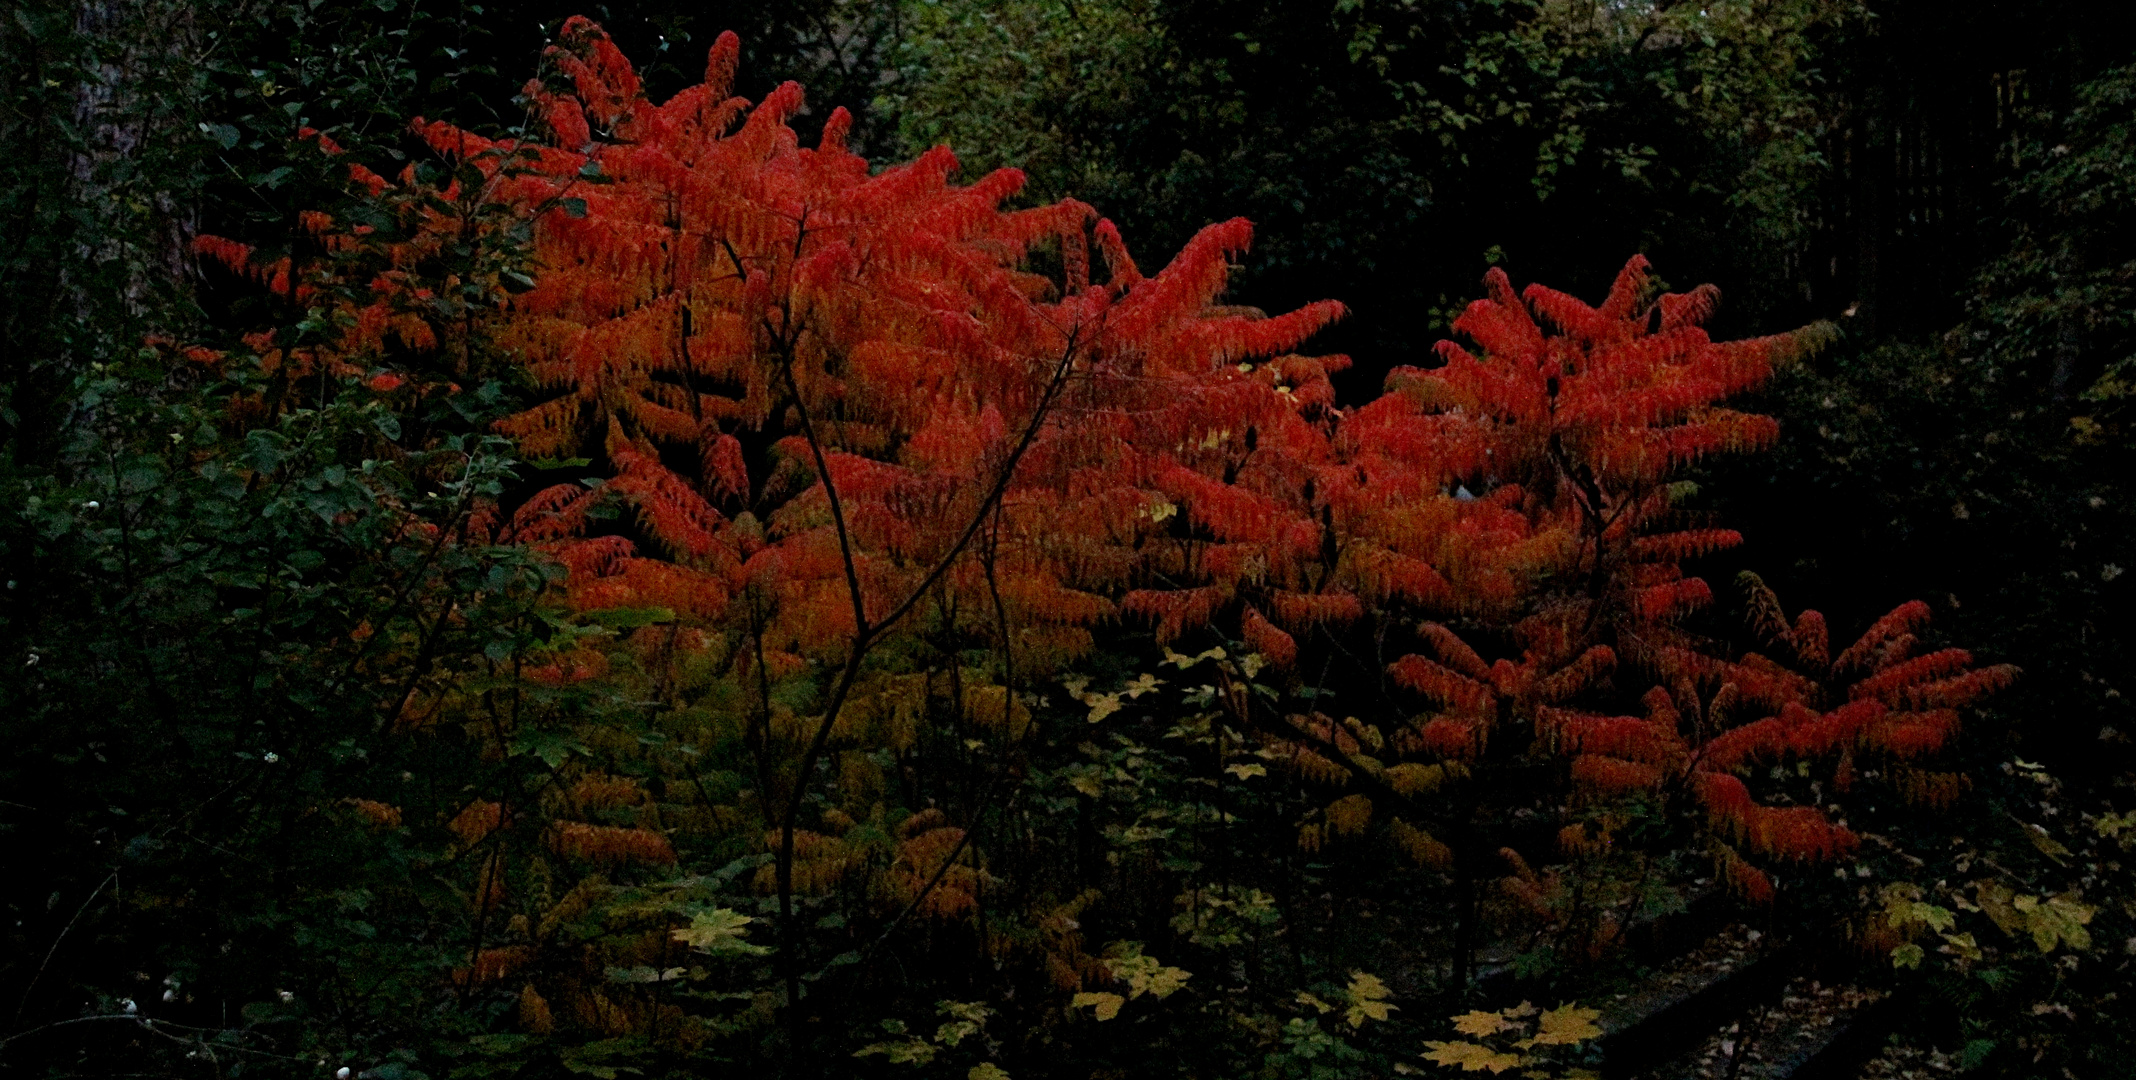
(1481, 1023)
(1141, 684)
(1108, 1005)
(1368, 999)
(1244, 772)
(1143, 974)
(1472, 1057)
(1568, 1024)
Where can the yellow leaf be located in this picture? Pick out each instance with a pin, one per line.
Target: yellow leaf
(1183, 661)
(1141, 684)
(1367, 1010)
(1568, 1024)
(1472, 1057)
(720, 933)
(1102, 706)
(1088, 784)
(1319, 1006)
(1108, 1005)
(1963, 946)
(2047, 844)
(1367, 999)
(1481, 1023)
(1143, 974)
(1247, 772)
(908, 1052)
(1517, 1012)
(986, 1070)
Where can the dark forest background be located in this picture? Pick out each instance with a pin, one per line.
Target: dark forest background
(1950, 182)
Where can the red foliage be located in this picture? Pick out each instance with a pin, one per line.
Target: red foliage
(830, 397)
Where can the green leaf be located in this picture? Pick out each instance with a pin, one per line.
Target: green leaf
(551, 747)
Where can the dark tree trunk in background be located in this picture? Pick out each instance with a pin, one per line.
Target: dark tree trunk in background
(1936, 98)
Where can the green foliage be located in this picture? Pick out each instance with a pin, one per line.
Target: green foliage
(2056, 306)
(1361, 137)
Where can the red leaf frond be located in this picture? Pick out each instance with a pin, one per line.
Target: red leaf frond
(1812, 641)
(1689, 309)
(1912, 673)
(601, 556)
(1661, 709)
(1686, 544)
(1443, 684)
(1387, 575)
(1767, 618)
(1959, 691)
(1626, 292)
(1745, 880)
(1304, 611)
(674, 513)
(1502, 324)
(233, 255)
(577, 666)
(1570, 315)
(720, 64)
(611, 846)
(652, 583)
(1582, 673)
(1908, 735)
(1760, 740)
(553, 513)
(1792, 832)
(476, 820)
(1671, 601)
(1266, 638)
(1627, 737)
(1813, 735)
(1800, 833)
(1608, 776)
(1175, 611)
(1904, 619)
(1454, 651)
(725, 469)
(1454, 740)
(1117, 260)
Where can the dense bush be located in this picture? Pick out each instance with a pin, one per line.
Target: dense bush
(604, 588)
